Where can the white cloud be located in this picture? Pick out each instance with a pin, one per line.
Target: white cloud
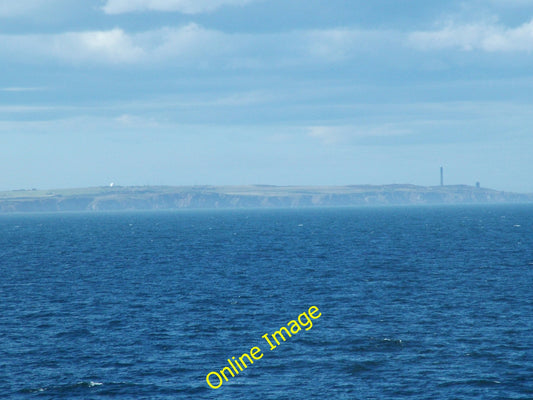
(476, 36)
(113, 46)
(109, 47)
(428, 122)
(512, 3)
(183, 6)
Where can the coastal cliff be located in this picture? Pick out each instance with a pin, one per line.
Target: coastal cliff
(253, 196)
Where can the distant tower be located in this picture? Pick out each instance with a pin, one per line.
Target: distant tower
(441, 176)
(478, 185)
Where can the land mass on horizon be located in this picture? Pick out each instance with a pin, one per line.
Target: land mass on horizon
(108, 198)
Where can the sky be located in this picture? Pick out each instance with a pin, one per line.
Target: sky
(281, 92)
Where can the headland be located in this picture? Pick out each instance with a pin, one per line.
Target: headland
(108, 198)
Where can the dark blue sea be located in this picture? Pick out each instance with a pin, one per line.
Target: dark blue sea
(414, 302)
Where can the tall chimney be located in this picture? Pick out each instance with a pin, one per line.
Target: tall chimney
(441, 176)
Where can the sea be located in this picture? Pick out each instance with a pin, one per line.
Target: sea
(431, 302)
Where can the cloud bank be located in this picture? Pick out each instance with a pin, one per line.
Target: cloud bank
(192, 45)
(197, 46)
(182, 6)
(476, 36)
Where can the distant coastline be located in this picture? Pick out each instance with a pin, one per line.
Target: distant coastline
(250, 196)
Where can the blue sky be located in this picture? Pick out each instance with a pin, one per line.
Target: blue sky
(181, 92)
